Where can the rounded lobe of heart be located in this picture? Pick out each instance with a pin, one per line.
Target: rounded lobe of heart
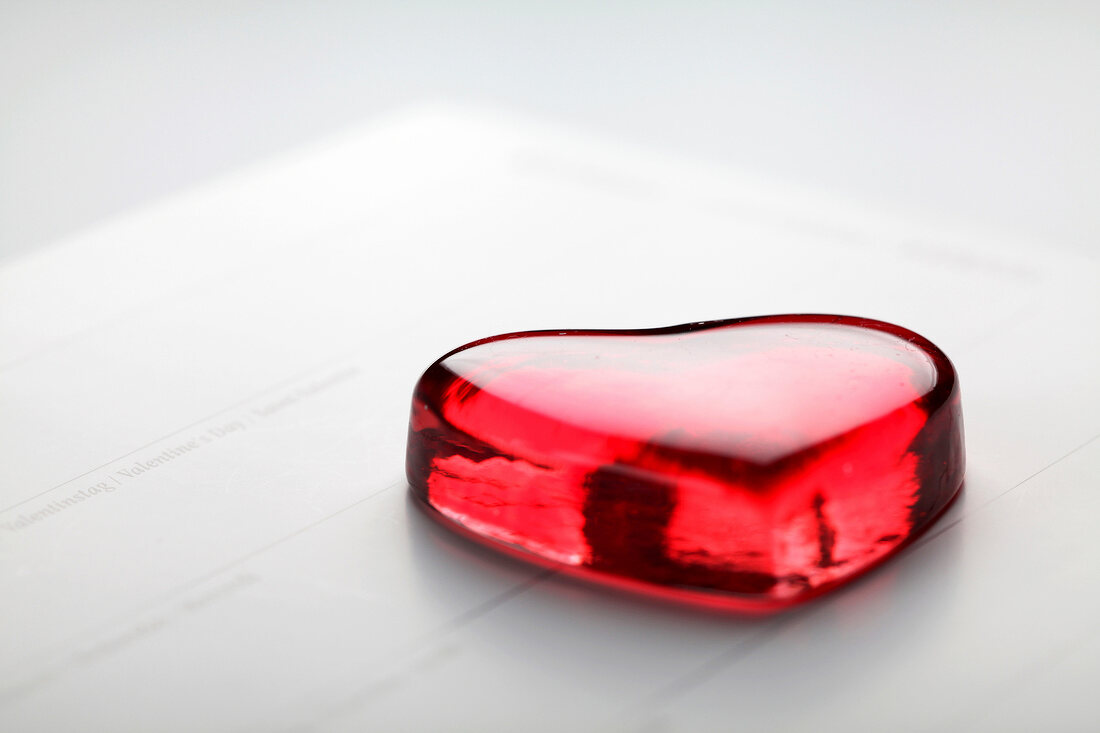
(747, 464)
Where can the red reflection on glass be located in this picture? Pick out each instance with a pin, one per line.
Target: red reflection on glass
(749, 463)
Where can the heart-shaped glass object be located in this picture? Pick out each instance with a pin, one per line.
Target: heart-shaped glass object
(748, 463)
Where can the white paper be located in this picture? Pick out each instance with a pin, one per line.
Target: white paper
(204, 523)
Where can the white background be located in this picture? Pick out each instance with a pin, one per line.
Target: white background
(282, 579)
(984, 112)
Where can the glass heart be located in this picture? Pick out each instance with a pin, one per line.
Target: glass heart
(749, 463)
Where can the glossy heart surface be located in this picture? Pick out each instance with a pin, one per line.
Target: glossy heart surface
(748, 464)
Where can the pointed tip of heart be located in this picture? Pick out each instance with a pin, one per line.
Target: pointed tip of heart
(746, 464)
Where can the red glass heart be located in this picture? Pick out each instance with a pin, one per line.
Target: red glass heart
(749, 463)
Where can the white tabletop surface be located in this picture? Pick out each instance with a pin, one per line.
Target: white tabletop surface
(204, 523)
